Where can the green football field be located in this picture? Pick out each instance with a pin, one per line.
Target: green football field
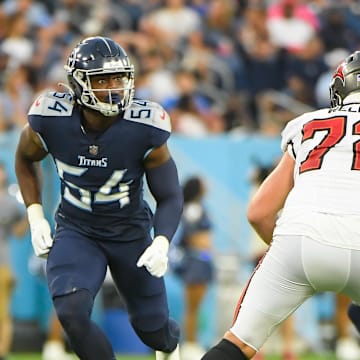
(133, 357)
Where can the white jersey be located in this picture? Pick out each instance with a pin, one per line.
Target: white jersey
(325, 145)
(316, 240)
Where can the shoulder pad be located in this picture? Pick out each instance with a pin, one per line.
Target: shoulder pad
(148, 113)
(293, 129)
(53, 103)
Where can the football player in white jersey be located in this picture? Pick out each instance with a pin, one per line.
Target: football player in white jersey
(315, 241)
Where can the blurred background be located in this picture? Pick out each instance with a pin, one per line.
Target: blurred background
(231, 74)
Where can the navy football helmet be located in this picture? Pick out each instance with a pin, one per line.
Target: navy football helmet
(98, 56)
(345, 80)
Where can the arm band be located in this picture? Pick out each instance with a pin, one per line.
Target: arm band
(164, 185)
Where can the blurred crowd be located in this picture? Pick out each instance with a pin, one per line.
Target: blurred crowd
(216, 65)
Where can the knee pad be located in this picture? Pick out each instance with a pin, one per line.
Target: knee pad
(165, 339)
(74, 310)
(224, 350)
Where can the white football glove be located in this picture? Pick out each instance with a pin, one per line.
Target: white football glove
(40, 230)
(155, 257)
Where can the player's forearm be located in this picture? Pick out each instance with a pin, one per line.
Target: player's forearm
(164, 185)
(167, 216)
(262, 213)
(27, 174)
(264, 229)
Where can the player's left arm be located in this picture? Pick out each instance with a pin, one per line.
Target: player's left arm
(163, 181)
(162, 178)
(270, 198)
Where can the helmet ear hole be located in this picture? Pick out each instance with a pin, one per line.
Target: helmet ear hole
(100, 56)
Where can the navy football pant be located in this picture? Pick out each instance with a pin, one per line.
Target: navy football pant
(77, 262)
(86, 338)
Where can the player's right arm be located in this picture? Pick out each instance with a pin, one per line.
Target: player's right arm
(270, 198)
(29, 152)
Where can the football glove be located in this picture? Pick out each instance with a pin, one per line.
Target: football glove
(155, 257)
(41, 238)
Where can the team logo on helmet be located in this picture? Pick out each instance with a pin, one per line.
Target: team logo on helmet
(339, 73)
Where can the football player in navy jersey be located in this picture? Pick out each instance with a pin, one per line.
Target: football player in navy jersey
(103, 142)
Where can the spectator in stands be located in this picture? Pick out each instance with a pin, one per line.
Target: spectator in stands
(293, 17)
(164, 22)
(16, 96)
(335, 31)
(193, 111)
(158, 81)
(16, 44)
(219, 27)
(303, 70)
(265, 64)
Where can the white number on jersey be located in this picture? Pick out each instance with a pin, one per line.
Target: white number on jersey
(84, 200)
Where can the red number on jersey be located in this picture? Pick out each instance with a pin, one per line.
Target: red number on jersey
(335, 128)
(356, 148)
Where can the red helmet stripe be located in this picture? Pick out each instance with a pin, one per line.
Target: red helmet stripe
(339, 73)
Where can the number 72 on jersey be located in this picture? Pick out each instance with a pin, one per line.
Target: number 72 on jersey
(336, 131)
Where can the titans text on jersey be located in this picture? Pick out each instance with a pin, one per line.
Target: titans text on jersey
(84, 161)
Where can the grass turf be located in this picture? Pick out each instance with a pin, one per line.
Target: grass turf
(21, 356)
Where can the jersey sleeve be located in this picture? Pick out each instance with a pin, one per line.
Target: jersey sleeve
(161, 126)
(49, 104)
(34, 114)
(291, 136)
(161, 119)
(152, 115)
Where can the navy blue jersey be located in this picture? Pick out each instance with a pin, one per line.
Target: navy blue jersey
(101, 173)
